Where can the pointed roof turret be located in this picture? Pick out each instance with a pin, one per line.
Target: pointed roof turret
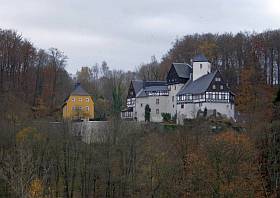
(200, 58)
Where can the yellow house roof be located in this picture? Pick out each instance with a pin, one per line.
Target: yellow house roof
(79, 91)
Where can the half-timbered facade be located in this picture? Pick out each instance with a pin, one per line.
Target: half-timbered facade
(207, 93)
(142, 93)
(187, 91)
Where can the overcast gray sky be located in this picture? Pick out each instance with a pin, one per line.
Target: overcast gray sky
(126, 33)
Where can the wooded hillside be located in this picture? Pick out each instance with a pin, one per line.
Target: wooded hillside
(39, 159)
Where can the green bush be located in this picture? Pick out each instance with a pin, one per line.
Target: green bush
(166, 117)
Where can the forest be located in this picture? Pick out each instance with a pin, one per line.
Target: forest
(39, 159)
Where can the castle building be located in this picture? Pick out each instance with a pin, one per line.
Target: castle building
(79, 105)
(188, 92)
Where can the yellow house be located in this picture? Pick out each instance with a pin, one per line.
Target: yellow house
(79, 105)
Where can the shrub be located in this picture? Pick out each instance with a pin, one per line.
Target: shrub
(166, 117)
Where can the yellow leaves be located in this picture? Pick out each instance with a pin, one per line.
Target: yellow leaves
(36, 188)
(27, 133)
(208, 48)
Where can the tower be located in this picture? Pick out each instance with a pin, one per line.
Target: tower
(201, 66)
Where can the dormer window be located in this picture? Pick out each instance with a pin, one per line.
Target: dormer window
(217, 79)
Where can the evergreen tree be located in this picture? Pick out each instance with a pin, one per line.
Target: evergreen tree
(117, 99)
(147, 113)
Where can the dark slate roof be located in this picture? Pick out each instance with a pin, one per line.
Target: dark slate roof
(79, 91)
(183, 70)
(137, 85)
(198, 86)
(200, 58)
(141, 87)
(157, 88)
(153, 83)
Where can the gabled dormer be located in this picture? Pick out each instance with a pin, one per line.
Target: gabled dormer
(131, 92)
(218, 84)
(179, 73)
(134, 88)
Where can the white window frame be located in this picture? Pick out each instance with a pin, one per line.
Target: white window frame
(80, 99)
(87, 99)
(73, 99)
(87, 108)
(217, 79)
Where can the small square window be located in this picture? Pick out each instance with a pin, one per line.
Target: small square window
(214, 86)
(221, 87)
(80, 99)
(80, 108)
(73, 99)
(182, 106)
(87, 108)
(87, 99)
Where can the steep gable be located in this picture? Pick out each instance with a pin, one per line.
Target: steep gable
(179, 73)
(131, 93)
(218, 83)
(205, 83)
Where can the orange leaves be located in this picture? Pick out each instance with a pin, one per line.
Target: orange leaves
(223, 165)
(36, 189)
